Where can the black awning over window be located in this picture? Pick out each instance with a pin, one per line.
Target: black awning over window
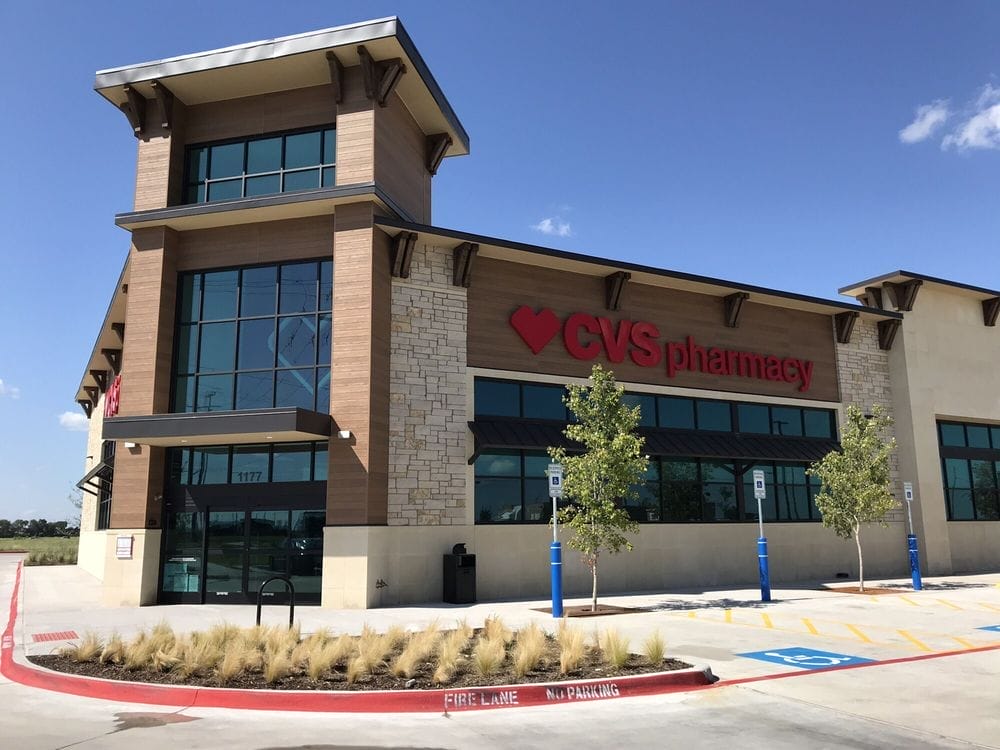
(93, 479)
(492, 434)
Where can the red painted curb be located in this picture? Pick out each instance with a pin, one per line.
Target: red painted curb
(394, 701)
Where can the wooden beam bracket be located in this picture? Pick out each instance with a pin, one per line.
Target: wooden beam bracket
(991, 309)
(336, 76)
(614, 289)
(402, 254)
(844, 325)
(902, 295)
(93, 392)
(733, 304)
(135, 110)
(464, 255)
(165, 99)
(380, 76)
(436, 146)
(114, 357)
(887, 330)
(101, 378)
(87, 407)
(119, 329)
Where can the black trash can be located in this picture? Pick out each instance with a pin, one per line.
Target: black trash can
(460, 579)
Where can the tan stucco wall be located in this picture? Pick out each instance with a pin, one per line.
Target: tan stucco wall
(91, 552)
(132, 582)
(944, 366)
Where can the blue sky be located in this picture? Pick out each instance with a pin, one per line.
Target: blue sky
(796, 145)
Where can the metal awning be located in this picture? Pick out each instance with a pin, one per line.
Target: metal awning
(528, 435)
(93, 479)
(282, 425)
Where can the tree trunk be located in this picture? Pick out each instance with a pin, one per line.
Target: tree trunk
(861, 561)
(593, 596)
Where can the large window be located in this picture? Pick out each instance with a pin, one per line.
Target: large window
(508, 398)
(248, 464)
(271, 164)
(970, 460)
(254, 338)
(511, 487)
(106, 483)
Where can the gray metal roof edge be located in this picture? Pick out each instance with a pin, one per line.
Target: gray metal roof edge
(278, 199)
(267, 49)
(626, 265)
(264, 49)
(920, 277)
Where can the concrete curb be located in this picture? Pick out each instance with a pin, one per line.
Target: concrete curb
(394, 701)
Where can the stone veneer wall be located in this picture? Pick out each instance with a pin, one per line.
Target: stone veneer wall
(863, 370)
(427, 399)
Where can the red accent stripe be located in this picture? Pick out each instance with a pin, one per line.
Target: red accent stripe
(62, 635)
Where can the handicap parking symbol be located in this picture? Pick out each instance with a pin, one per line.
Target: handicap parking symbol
(806, 658)
(995, 628)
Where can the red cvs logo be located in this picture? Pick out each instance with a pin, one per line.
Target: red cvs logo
(535, 329)
(112, 397)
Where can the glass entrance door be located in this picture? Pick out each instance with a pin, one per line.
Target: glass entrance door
(245, 548)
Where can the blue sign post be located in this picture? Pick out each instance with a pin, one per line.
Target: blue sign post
(911, 540)
(555, 475)
(760, 492)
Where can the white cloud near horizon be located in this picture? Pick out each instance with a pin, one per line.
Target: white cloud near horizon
(74, 421)
(928, 118)
(980, 128)
(553, 225)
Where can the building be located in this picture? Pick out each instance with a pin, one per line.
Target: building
(299, 374)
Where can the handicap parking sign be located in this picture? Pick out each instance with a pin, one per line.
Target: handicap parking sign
(806, 658)
(990, 627)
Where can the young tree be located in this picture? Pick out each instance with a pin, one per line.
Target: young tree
(855, 479)
(597, 481)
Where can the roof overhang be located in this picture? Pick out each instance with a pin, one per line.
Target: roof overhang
(285, 425)
(292, 62)
(899, 277)
(108, 339)
(519, 252)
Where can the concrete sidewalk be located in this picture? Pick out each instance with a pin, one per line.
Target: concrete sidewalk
(702, 627)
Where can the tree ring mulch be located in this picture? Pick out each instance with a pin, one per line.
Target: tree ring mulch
(584, 610)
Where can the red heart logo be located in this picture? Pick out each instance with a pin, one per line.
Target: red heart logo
(535, 329)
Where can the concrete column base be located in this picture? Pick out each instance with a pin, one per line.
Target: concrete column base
(131, 582)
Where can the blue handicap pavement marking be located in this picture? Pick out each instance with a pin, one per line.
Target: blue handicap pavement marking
(990, 627)
(806, 658)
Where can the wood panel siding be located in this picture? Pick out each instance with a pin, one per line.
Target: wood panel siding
(355, 132)
(152, 165)
(247, 244)
(358, 488)
(400, 159)
(146, 361)
(259, 115)
(499, 288)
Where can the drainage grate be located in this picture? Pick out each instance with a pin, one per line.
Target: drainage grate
(62, 635)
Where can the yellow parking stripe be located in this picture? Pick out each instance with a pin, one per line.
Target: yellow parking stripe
(962, 642)
(909, 601)
(767, 620)
(946, 603)
(729, 616)
(692, 615)
(919, 644)
(990, 606)
(858, 633)
(809, 626)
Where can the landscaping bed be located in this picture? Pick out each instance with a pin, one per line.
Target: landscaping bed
(277, 658)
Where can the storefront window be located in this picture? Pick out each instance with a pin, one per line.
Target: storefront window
(970, 462)
(248, 464)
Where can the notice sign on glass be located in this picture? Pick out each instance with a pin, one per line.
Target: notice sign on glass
(123, 548)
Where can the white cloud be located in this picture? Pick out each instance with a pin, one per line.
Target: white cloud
(554, 226)
(74, 421)
(928, 119)
(11, 391)
(980, 128)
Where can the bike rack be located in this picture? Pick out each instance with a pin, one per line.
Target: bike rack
(289, 586)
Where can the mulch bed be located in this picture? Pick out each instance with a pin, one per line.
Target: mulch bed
(591, 667)
(584, 610)
(869, 590)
